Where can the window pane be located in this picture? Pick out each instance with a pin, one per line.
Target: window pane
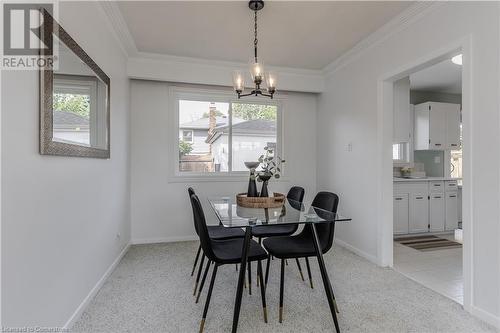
(400, 151)
(254, 127)
(395, 152)
(456, 160)
(71, 117)
(203, 136)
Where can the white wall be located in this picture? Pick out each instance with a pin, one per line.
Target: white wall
(160, 209)
(348, 113)
(61, 215)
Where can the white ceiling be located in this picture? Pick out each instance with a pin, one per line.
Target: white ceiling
(445, 77)
(305, 34)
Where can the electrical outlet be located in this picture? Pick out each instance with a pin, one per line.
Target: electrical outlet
(349, 147)
(437, 159)
(118, 236)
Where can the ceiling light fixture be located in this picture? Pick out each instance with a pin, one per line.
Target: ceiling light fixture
(457, 60)
(256, 66)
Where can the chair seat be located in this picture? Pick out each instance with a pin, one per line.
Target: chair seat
(229, 251)
(219, 232)
(274, 230)
(290, 247)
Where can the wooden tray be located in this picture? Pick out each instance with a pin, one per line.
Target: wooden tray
(276, 201)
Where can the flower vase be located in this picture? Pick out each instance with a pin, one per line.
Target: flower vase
(252, 186)
(265, 180)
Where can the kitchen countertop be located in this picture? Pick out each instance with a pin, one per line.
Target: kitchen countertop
(426, 179)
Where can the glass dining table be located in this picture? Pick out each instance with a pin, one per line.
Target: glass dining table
(231, 215)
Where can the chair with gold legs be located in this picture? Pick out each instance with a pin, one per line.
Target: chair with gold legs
(223, 252)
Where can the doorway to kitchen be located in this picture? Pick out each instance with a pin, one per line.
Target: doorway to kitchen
(421, 219)
(427, 154)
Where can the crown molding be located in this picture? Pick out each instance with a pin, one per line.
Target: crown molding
(395, 25)
(221, 63)
(119, 27)
(159, 67)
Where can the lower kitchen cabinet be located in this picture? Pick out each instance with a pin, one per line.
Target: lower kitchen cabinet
(436, 212)
(400, 213)
(420, 207)
(419, 213)
(451, 222)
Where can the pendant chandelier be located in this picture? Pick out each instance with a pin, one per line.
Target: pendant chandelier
(256, 66)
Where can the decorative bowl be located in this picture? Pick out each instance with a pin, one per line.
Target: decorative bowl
(252, 165)
(276, 201)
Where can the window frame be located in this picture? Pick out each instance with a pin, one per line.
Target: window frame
(219, 96)
(192, 136)
(81, 84)
(405, 152)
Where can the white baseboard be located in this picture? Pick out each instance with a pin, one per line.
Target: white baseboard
(485, 316)
(137, 241)
(86, 301)
(354, 249)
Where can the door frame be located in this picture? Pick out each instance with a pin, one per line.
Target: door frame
(384, 153)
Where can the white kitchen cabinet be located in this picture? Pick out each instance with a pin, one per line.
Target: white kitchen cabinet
(400, 214)
(436, 212)
(453, 127)
(402, 123)
(436, 186)
(451, 222)
(419, 213)
(437, 126)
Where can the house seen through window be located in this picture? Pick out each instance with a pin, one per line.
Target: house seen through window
(221, 136)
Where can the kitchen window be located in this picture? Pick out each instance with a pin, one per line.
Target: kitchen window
(400, 152)
(217, 134)
(456, 160)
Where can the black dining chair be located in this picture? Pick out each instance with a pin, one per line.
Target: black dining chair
(223, 252)
(296, 194)
(215, 232)
(302, 245)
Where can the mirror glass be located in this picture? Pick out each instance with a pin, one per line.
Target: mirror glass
(79, 101)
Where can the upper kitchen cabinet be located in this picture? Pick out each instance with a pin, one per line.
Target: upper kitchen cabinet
(437, 126)
(402, 123)
(453, 127)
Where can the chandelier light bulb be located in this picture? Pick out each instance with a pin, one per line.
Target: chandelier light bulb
(238, 81)
(271, 82)
(257, 70)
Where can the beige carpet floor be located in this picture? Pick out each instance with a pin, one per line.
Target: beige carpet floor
(151, 291)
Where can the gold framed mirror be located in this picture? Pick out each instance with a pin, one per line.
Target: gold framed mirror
(74, 98)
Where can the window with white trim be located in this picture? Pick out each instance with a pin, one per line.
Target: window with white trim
(400, 152)
(217, 134)
(76, 101)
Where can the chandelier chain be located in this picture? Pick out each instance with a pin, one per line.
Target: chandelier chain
(255, 41)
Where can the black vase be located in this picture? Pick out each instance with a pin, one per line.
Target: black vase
(252, 188)
(265, 179)
(263, 192)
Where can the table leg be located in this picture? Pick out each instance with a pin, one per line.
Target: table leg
(241, 278)
(324, 276)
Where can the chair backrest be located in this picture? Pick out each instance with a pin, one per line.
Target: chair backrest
(296, 193)
(328, 201)
(201, 226)
(296, 196)
(190, 193)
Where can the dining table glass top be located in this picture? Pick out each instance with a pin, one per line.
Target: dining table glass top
(232, 215)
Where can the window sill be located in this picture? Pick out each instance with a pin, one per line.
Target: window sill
(400, 163)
